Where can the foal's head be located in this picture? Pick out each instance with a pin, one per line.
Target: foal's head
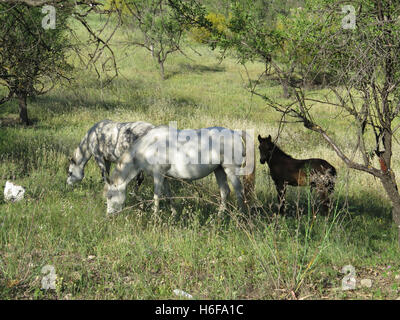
(75, 172)
(266, 148)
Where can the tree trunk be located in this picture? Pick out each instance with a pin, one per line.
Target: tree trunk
(390, 186)
(162, 72)
(152, 51)
(267, 65)
(285, 88)
(23, 109)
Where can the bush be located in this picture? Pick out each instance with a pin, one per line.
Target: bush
(204, 36)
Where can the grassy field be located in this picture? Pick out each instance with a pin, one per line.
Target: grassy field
(138, 255)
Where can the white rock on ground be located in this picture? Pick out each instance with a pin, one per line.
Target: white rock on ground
(181, 293)
(366, 283)
(13, 193)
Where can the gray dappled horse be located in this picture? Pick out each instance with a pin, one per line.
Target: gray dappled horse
(191, 155)
(106, 141)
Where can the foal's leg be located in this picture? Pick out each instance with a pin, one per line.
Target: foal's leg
(224, 190)
(324, 186)
(314, 187)
(237, 185)
(281, 189)
(325, 194)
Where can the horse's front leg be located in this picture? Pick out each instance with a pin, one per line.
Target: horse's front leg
(104, 167)
(224, 190)
(108, 166)
(139, 179)
(158, 188)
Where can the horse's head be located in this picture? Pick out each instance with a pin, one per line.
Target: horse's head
(75, 172)
(116, 196)
(266, 148)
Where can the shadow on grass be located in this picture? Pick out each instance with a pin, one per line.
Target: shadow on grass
(24, 151)
(199, 68)
(364, 203)
(137, 100)
(90, 97)
(189, 199)
(186, 68)
(202, 198)
(363, 219)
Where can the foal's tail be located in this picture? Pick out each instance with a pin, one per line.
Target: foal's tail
(332, 179)
(249, 179)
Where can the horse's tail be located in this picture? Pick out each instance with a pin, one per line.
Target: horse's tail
(249, 179)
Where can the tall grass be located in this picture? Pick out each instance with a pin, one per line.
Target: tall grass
(139, 255)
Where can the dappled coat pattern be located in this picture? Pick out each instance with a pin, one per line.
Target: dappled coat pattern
(106, 141)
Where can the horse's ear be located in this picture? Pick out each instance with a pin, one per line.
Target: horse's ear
(259, 138)
(269, 139)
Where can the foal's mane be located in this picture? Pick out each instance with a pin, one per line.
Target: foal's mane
(279, 152)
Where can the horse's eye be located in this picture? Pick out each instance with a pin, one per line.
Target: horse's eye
(69, 173)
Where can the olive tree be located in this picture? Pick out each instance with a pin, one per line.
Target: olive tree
(36, 39)
(32, 58)
(150, 24)
(357, 44)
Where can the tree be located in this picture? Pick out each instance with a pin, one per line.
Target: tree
(364, 68)
(250, 31)
(151, 24)
(32, 59)
(357, 45)
(364, 78)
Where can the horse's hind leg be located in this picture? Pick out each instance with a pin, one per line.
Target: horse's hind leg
(237, 185)
(224, 190)
(167, 192)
